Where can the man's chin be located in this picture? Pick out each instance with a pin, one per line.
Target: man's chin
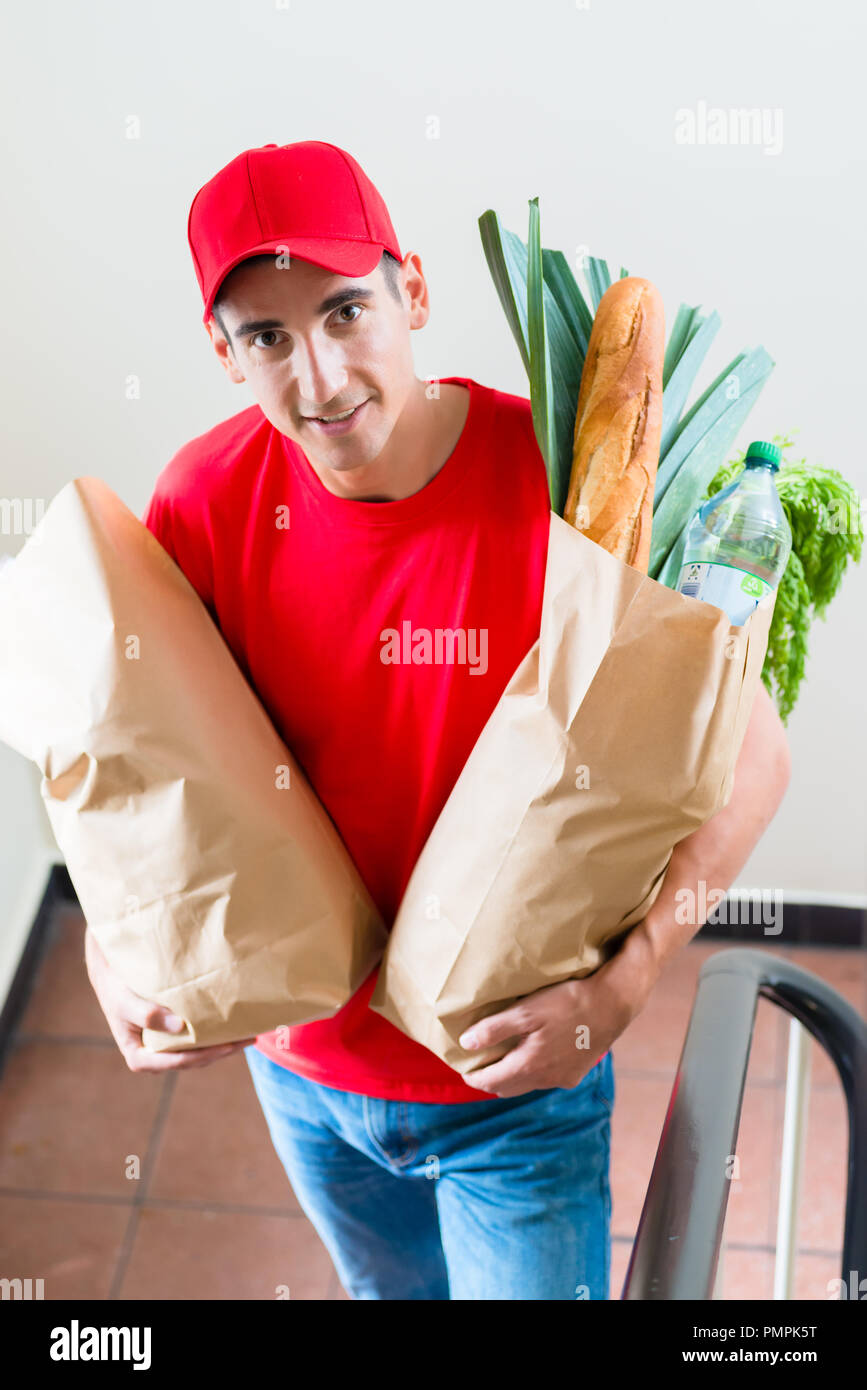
(343, 466)
(344, 455)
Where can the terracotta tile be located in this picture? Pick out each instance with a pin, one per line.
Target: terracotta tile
(823, 1191)
(336, 1290)
(814, 1275)
(823, 1182)
(72, 1246)
(225, 1255)
(62, 1002)
(843, 968)
(845, 971)
(620, 1253)
(654, 1040)
(639, 1114)
(823, 1075)
(70, 1115)
(854, 1282)
(768, 1050)
(636, 1124)
(215, 1146)
(681, 973)
(751, 1210)
(747, 1274)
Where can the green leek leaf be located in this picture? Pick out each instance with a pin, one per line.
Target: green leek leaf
(684, 326)
(673, 564)
(570, 300)
(506, 255)
(598, 279)
(541, 386)
(710, 434)
(732, 382)
(679, 376)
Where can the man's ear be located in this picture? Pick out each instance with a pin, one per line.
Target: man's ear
(415, 286)
(223, 349)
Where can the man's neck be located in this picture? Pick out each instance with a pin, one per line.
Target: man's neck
(422, 440)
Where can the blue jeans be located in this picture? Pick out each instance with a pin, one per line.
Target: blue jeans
(505, 1198)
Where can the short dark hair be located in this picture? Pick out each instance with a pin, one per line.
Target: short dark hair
(388, 263)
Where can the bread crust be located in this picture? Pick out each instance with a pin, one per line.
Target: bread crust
(618, 422)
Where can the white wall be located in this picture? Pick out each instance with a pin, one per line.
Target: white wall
(27, 851)
(575, 104)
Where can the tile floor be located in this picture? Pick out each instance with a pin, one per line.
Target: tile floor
(73, 1118)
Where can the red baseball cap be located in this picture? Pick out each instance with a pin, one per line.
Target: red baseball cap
(311, 199)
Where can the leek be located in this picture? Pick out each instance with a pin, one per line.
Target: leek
(693, 444)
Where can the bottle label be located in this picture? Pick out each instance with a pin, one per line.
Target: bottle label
(735, 591)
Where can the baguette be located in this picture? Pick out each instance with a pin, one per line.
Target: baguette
(618, 423)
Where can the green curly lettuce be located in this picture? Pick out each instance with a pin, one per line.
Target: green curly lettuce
(824, 512)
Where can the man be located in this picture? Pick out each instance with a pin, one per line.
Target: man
(428, 502)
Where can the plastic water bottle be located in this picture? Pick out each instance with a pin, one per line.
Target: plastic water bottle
(738, 543)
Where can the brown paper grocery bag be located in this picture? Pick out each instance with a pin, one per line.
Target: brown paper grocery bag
(213, 879)
(616, 736)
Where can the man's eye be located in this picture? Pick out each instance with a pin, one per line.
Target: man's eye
(266, 333)
(271, 332)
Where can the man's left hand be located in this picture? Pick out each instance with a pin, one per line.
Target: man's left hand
(553, 1024)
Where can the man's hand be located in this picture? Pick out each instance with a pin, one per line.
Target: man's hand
(127, 1014)
(553, 1024)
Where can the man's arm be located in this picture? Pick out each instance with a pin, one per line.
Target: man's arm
(608, 1000)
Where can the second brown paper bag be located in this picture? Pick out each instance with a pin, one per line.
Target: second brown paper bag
(615, 738)
(211, 875)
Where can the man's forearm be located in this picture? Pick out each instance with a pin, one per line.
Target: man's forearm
(716, 852)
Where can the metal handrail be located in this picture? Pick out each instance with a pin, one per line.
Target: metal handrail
(677, 1244)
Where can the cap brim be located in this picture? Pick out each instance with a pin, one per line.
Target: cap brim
(340, 257)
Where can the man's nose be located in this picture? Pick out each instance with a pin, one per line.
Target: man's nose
(321, 374)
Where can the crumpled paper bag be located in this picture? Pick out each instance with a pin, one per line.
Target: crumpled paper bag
(616, 736)
(211, 875)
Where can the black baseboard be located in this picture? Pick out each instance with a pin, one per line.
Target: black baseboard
(793, 924)
(58, 890)
(65, 883)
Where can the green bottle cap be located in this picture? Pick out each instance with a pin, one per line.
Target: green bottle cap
(761, 450)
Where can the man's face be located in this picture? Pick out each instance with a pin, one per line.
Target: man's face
(304, 354)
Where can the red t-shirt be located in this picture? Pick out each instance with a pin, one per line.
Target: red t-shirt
(304, 609)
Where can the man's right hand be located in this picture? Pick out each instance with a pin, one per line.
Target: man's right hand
(127, 1014)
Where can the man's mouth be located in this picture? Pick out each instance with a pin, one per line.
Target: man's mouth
(337, 423)
(328, 418)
